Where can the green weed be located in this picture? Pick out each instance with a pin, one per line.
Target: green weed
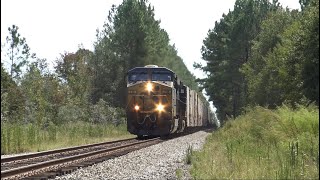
(179, 173)
(263, 144)
(189, 154)
(17, 138)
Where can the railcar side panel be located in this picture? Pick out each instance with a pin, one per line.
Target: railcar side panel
(191, 108)
(200, 111)
(198, 119)
(196, 109)
(188, 106)
(205, 115)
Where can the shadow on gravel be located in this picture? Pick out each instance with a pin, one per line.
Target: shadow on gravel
(175, 135)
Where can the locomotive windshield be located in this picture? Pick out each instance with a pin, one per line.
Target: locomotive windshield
(147, 74)
(161, 77)
(138, 76)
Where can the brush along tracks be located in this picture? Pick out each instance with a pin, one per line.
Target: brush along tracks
(48, 164)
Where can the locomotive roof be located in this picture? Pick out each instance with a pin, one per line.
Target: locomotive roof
(139, 69)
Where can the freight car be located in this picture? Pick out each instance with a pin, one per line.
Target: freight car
(159, 104)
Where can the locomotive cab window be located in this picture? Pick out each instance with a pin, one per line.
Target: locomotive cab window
(161, 76)
(134, 77)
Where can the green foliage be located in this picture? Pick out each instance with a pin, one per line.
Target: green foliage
(82, 98)
(17, 54)
(12, 138)
(304, 3)
(11, 98)
(4, 107)
(263, 144)
(52, 132)
(262, 54)
(16, 101)
(289, 70)
(189, 154)
(42, 92)
(4, 139)
(179, 173)
(226, 49)
(309, 48)
(75, 73)
(260, 77)
(172, 61)
(131, 37)
(102, 112)
(71, 112)
(106, 80)
(17, 138)
(17, 51)
(6, 80)
(32, 134)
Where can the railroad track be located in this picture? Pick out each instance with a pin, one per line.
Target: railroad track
(48, 164)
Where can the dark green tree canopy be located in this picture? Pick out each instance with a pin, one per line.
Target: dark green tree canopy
(131, 37)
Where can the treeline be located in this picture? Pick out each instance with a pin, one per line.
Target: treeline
(86, 86)
(262, 54)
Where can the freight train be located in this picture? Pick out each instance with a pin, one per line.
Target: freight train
(159, 104)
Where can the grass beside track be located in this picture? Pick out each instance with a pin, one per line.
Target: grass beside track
(17, 138)
(262, 144)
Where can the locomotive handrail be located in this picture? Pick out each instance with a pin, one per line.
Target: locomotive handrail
(149, 95)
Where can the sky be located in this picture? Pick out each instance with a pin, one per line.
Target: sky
(57, 26)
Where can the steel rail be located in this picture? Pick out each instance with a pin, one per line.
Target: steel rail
(29, 168)
(50, 152)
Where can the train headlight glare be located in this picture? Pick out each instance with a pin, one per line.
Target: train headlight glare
(160, 107)
(149, 87)
(136, 107)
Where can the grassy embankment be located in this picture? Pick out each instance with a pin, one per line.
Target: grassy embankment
(262, 144)
(17, 138)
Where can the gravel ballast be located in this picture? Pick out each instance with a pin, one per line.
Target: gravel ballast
(160, 161)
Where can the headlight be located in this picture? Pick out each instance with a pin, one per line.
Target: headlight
(149, 87)
(160, 107)
(136, 107)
